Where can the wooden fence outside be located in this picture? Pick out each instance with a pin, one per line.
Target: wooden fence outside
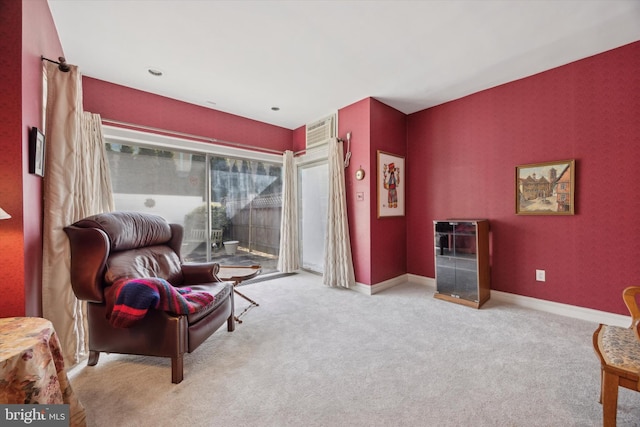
(255, 223)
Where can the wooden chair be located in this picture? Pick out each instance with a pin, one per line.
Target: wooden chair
(619, 352)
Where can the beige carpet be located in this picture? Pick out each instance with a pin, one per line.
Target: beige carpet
(317, 356)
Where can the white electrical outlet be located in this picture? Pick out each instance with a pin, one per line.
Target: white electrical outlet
(540, 275)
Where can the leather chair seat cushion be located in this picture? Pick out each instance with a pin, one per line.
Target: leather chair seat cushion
(220, 291)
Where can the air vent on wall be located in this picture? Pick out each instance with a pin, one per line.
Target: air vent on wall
(321, 131)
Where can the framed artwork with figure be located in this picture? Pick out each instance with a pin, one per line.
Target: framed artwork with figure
(390, 182)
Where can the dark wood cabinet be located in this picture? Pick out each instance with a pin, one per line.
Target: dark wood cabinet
(462, 261)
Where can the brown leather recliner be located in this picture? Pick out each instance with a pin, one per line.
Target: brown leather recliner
(113, 246)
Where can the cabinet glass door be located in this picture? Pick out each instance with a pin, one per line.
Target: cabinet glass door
(465, 258)
(445, 261)
(456, 260)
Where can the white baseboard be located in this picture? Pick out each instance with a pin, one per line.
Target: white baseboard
(379, 287)
(426, 281)
(362, 288)
(573, 311)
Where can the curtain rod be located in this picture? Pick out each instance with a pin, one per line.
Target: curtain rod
(189, 136)
(204, 138)
(62, 63)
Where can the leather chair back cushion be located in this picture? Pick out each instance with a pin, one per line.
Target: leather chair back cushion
(152, 261)
(128, 230)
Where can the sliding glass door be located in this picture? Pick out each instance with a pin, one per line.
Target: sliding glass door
(217, 198)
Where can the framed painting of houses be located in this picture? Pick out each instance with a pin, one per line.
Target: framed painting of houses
(546, 188)
(390, 175)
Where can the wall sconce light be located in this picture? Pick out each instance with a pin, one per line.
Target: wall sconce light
(4, 214)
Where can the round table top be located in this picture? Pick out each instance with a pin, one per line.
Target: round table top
(20, 333)
(238, 273)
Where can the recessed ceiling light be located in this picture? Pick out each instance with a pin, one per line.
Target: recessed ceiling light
(155, 72)
(210, 102)
(275, 108)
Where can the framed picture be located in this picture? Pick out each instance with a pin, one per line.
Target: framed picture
(546, 188)
(36, 152)
(391, 185)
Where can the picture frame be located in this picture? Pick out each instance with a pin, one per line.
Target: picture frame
(547, 188)
(390, 183)
(36, 151)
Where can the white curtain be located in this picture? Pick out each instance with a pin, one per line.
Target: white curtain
(289, 257)
(338, 263)
(76, 184)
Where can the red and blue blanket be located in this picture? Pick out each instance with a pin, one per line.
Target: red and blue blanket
(134, 297)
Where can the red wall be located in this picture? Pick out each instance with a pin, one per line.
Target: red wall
(388, 234)
(378, 244)
(299, 139)
(355, 118)
(45, 41)
(12, 302)
(20, 109)
(588, 111)
(115, 102)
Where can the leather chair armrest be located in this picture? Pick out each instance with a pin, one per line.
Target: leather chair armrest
(201, 272)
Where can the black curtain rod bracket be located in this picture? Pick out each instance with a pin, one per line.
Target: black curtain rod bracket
(62, 63)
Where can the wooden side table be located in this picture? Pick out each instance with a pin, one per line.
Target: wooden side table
(238, 274)
(32, 368)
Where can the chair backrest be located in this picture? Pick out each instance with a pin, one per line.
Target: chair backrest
(630, 298)
(122, 245)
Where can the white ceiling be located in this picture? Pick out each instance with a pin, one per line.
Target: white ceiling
(310, 58)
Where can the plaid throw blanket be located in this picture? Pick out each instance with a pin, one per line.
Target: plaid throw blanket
(134, 297)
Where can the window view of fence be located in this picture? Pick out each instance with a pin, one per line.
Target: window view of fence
(244, 198)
